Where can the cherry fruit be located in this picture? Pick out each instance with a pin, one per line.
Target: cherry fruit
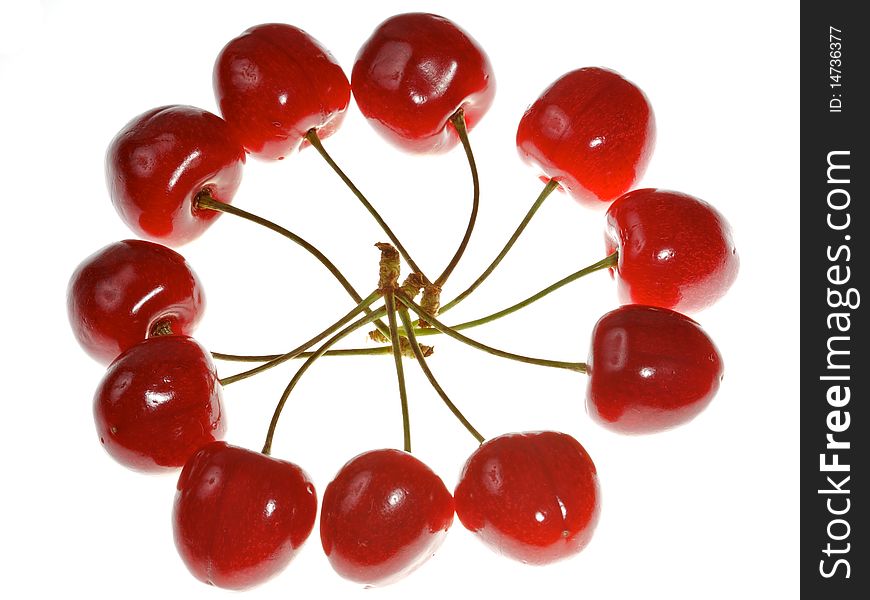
(533, 496)
(383, 515)
(592, 131)
(413, 74)
(675, 250)
(158, 402)
(158, 163)
(240, 516)
(650, 369)
(275, 82)
(128, 291)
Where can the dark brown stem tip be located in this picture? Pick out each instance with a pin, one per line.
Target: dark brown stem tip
(430, 302)
(378, 337)
(458, 119)
(412, 285)
(204, 200)
(408, 351)
(161, 328)
(389, 267)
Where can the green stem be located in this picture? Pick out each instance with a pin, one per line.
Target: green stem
(377, 351)
(314, 140)
(267, 446)
(571, 366)
(458, 121)
(548, 189)
(604, 263)
(363, 305)
(421, 360)
(400, 371)
(205, 201)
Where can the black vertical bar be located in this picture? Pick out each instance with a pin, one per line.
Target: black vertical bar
(835, 437)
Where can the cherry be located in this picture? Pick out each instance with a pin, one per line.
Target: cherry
(128, 291)
(158, 402)
(650, 369)
(592, 131)
(531, 496)
(675, 250)
(273, 83)
(413, 73)
(240, 516)
(160, 161)
(383, 515)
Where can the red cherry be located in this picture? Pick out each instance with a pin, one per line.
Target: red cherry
(674, 250)
(383, 515)
(592, 131)
(413, 73)
(275, 82)
(531, 496)
(128, 290)
(160, 161)
(240, 516)
(159, 402)
(650, 369)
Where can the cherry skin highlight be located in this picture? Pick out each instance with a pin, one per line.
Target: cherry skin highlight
(675, 250)
(533, 497)
(128, 291)
(650, 369)
(158, 403)
(240, 516)
(383, 515)
(592, 131)
(160, 161)
(413, 73)
(275, 82)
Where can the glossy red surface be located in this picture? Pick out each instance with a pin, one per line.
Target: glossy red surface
(240, 516)
(383, 515)
(593, 131)
(273, 83)
(160, 161)
(650, 369)
(121, 293)
(413, 73)
(159, 402)
(675, 250)
(532, 496)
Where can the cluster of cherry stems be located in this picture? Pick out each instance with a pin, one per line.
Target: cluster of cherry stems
(240, 515)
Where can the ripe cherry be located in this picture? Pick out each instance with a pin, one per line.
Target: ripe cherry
(675, 250)
(533, 496)
(159, 402)
(413, 73)
(240, 516)
(275, 82)
(160, 161)
(592, 131)
(650, 369)
(383, 515)
(129, 291)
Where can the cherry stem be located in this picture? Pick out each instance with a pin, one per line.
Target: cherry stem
(315, 141)
(204, 200)
(412, 339)
(377, 351)
(548, 189)
(458, 121)
(571, 366)
(363, 305)
(267, 446)
(604, 263)
(400, 370)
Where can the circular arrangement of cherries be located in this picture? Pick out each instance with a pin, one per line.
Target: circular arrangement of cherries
(241, 515)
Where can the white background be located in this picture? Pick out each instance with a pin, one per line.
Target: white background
(708, 510)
